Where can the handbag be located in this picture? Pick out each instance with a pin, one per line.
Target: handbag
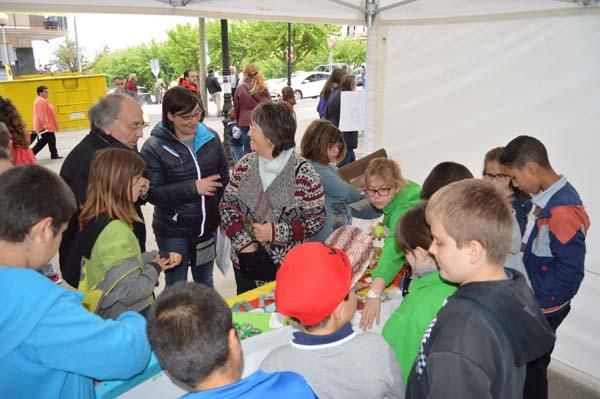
(205, 251)
(257, 265)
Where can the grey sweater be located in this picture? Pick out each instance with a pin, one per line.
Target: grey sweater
(357, 366)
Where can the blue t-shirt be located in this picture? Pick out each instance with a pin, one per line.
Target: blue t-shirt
(52, 347)
(260, 385)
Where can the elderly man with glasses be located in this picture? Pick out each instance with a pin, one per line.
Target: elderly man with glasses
(116, 121)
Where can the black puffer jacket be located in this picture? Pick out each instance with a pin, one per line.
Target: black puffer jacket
(172, 168)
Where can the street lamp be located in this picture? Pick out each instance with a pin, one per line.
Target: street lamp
(3, 22)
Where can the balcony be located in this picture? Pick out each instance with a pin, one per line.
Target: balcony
(55, 23)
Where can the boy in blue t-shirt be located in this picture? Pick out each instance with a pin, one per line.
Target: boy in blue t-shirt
(191, 331)
(50, 346)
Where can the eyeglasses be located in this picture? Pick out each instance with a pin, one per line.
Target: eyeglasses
(189, 117)
(337, 145)
(134, 126)
(497, 176)
(381, 191)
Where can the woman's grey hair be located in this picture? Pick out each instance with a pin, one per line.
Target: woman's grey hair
(105, 111)
(278, 124)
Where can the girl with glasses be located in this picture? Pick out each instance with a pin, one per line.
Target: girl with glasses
(521, 204)
(390, 192)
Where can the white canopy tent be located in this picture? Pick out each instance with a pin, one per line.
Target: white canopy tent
(450, 79)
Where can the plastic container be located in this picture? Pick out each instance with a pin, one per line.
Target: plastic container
(71, 97)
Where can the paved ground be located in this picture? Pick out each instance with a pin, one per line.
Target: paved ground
(305, 113)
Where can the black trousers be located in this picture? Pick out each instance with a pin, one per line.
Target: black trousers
(46, 138)
(536, 379)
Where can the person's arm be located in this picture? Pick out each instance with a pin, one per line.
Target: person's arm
(223, 165)
(236, 102)
(389, 264)
(364, 210)
(567, 244)
(392, 258)
(311, 209)
(45, 112)
(236, 132)
(265, 95)
(131, 287)
(332, 111)
(76, 177)
(163, 193)
(450, 375)
(232, 211)
(336, 187)
(72, 339)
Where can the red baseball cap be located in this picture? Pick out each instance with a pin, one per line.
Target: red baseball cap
(312, 280)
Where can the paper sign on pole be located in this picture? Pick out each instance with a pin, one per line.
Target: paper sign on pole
(353, 107)
(155, 67)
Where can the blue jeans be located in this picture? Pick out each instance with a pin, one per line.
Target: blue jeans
(201, 273)
(237, 152)
(246, 139)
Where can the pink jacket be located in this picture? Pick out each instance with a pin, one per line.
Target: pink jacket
(44, 117)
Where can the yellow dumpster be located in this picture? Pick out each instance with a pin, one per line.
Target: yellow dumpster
(71, 96)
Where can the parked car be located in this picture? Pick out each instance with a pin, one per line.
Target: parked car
(305, 84)
(331, 67)
(358, 76)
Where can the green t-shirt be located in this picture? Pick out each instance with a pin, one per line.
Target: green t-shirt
(392, 258)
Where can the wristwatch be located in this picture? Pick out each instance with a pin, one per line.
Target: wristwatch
(372, 294)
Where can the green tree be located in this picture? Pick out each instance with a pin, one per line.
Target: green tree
(66, 56)
(265, 44)
(262, 43)
(351, 51)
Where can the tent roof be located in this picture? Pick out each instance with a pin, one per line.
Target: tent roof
(316, 11)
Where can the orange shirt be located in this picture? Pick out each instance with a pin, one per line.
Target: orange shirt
(44, 117)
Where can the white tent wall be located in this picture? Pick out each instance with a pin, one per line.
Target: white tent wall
(450, 91)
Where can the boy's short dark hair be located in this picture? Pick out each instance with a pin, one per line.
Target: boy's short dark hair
(443, 174)
(29, 194)
(188, 329)
(41, 89)
(523, 149)
(412, 230)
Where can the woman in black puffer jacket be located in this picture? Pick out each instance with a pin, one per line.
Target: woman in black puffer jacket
(187, 169)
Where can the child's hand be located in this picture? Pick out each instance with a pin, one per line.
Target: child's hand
(169, 262)
(370, 312)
